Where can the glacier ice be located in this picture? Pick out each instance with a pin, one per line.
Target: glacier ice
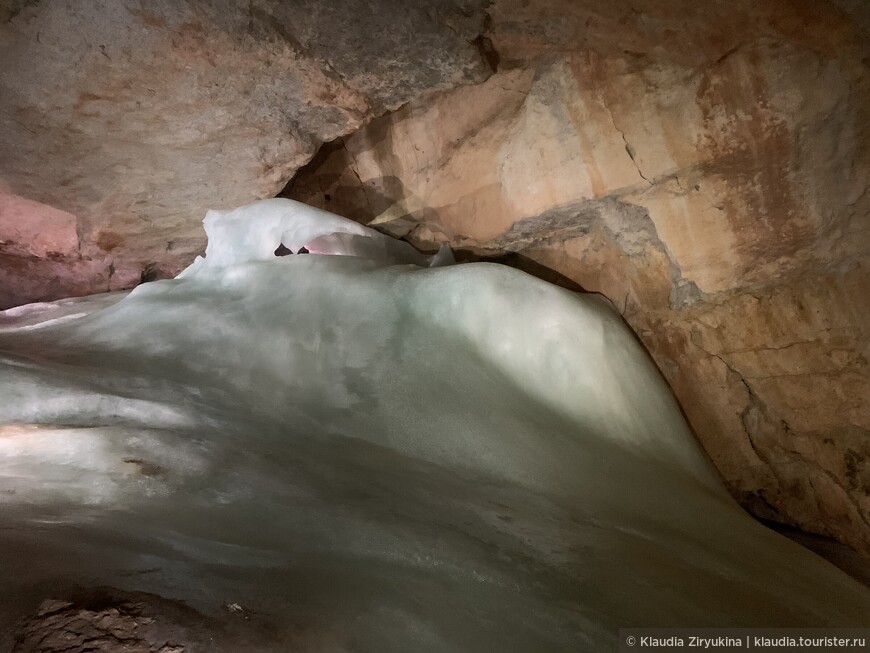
(403, 454)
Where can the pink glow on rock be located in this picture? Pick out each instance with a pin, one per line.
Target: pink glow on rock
(28, 227)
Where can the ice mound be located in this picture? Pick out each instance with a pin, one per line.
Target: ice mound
(378, 454)
(232, 240)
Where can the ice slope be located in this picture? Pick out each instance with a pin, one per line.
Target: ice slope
(375, 453)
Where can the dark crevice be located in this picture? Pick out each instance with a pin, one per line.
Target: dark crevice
(727, 54)
(150, 272)
(838, 554)
(283, 250)
(487, 52)
(320, 157)
(520, 262)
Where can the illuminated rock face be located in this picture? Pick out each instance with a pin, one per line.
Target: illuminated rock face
(704, 168)
(128, 121)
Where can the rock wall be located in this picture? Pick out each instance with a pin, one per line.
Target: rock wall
(703, 165)
(122, 121)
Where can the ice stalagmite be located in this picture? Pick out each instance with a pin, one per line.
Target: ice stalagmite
(396, 454)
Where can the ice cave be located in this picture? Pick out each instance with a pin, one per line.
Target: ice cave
(426, 456)
(510, 325)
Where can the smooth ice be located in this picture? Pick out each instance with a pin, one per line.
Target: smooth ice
(376, 448)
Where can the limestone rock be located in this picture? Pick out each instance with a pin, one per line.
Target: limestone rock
(121, 122)
(111, 620)
(704, 166)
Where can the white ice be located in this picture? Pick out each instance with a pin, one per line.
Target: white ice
(403, 457)
(296, 225)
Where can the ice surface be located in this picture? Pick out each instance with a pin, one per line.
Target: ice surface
(296, 225)
(42, 314)
(398, 457)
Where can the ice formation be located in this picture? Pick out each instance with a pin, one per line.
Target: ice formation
(401, 456)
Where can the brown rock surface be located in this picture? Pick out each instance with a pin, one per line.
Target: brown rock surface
(111, 620)
(121, 122)
(703, 165)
